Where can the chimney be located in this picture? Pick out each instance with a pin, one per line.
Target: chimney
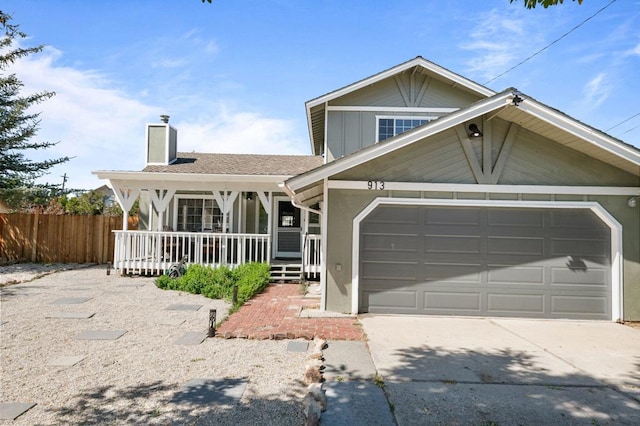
(161, 143)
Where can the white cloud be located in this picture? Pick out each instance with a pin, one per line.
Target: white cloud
(103, 127)
(496, 42)
(227, 131)
(596, 91)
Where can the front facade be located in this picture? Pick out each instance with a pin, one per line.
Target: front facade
(439, 196)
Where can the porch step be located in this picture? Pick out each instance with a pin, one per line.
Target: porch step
(286, 272)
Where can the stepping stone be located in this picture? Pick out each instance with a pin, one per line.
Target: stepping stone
(100, 334)
(172, 321)
(191, 338)
(70, 300)
(13, 410)
(179, 307)
(71, 315)
(66, 361)
(294, 346)
(211, 391)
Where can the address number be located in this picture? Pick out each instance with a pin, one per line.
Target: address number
(375, 185)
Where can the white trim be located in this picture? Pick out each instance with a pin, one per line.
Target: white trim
(427, 118)
(384, 109)
(454, 78)
(397, 142)
(324, 232)
(488, 188)
(596, 208)
(276, 228)
(187, 177)
(580, 130)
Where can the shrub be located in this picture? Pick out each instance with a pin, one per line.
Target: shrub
(217, 283)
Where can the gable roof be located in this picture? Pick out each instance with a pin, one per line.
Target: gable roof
(238, 164)
(528, 113)
(316, 110)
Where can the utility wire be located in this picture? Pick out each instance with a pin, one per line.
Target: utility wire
(622, 122)
(551, 44)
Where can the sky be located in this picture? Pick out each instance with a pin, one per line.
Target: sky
(234, 75)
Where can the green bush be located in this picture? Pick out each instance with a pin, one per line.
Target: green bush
(218, 283)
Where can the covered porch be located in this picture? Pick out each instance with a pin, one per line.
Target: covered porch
(211, 222)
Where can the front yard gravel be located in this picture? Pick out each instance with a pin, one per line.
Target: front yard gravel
(132, 380)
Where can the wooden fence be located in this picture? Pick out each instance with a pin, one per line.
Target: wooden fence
(59, 238)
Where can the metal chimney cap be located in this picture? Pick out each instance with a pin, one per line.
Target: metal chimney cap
(164, 118)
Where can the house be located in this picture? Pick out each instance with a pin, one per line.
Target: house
(426, 193)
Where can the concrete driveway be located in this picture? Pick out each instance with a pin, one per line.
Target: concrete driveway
(506, 371)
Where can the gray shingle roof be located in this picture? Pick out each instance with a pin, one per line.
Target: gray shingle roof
(239, 164)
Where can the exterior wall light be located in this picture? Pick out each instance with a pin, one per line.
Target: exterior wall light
(632, 202)
(474, 132)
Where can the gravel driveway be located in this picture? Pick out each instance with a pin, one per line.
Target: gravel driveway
(136, 377)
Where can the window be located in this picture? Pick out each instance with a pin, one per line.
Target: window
(391, 126)
(197, 214)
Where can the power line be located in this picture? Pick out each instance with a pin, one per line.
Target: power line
(551, 44)
(622, 122)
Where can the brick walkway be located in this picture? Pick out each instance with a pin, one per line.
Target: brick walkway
(274, 315)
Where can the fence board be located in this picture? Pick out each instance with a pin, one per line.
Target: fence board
(59, 238)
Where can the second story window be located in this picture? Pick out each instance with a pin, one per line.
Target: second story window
(391, 126)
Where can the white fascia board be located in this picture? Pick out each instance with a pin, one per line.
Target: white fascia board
(455, 78)
(434, 127)
(483, 188)
(391, 109)
(580, 130)
(188, 177)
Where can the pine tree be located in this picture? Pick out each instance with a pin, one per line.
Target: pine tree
(18, 125)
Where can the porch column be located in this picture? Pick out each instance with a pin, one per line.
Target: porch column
(161, 200)
(125, 197)
(225, 203)
(266, 200)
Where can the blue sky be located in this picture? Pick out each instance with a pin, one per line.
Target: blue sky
(234, 75)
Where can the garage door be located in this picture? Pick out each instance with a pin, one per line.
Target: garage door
(518, 262)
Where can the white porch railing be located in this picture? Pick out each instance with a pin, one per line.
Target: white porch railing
(311, 255)
(153, 252)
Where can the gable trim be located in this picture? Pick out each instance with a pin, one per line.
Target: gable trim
(355, 108)
(419, 61)
(488, 188)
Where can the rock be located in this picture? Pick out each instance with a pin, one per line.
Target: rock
(315, 355)
(312, 410)
(314, 363)
(315, 390)
(320, 344)
(312, 375)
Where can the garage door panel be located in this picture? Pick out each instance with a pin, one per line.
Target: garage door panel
(462, 302)
(590, 277)
(390, 270)
(380, 300)
(514, 275)
(452, 244)
(391, 242)
(457, 217)
(516, 245)
(597, 306)
(579, 247)
(394, 215)
(538, 263)
(460, 272)
(498, 303)
(504, 218)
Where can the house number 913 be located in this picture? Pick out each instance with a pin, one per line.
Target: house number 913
(376, 185)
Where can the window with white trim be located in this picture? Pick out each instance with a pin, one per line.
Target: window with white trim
(199, 214)
(389, 127)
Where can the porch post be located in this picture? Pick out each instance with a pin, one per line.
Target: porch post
(125, 197)
(266, 200)
(160, 201)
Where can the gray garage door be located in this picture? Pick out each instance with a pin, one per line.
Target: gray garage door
(539, 263)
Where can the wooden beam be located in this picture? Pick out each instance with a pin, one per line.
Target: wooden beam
(403, 92)
(509, 140)
(474, 164)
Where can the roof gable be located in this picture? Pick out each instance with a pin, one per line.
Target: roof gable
(524, 111)
(420, 67)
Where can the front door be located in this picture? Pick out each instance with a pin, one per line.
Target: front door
(288, 229)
